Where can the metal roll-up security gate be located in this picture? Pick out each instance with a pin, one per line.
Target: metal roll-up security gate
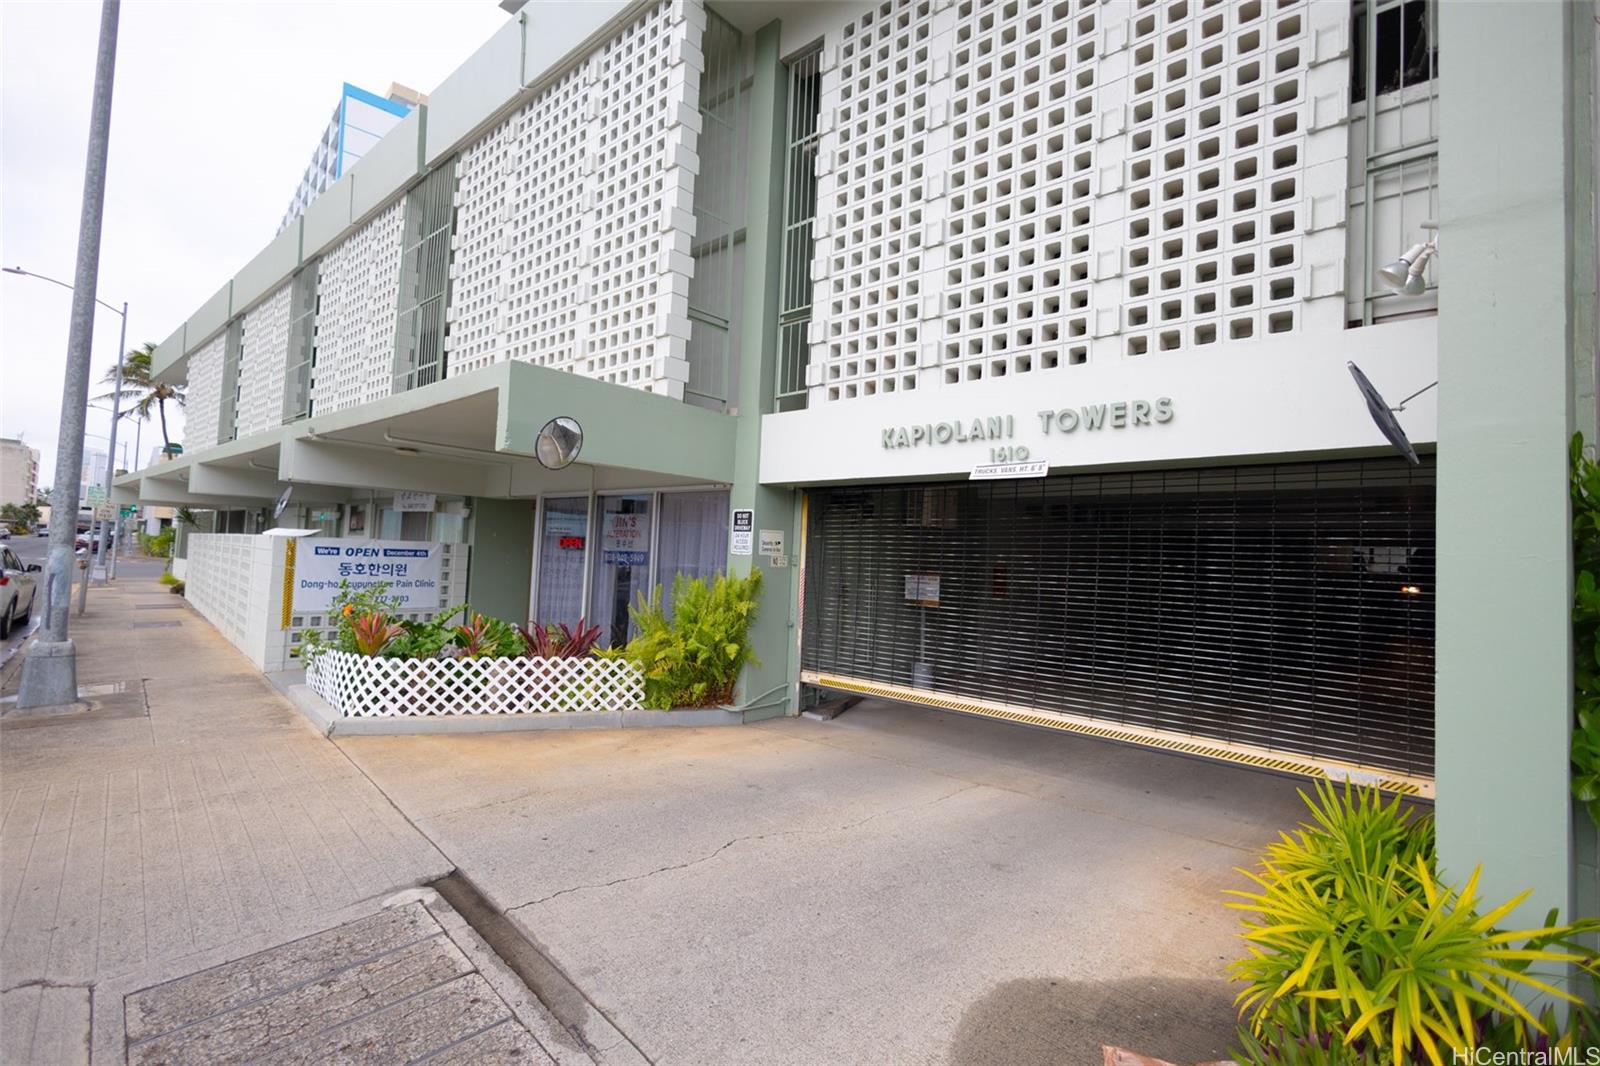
(1275, 615)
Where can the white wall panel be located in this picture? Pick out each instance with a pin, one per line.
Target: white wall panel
(202, 409)
(264, 358)
(1016, 189)
(359, 285)
(574, 215)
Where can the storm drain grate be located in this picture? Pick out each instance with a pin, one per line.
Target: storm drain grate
(157, 624)
(156, 606)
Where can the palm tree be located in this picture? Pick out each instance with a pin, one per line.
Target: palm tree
(142, 391)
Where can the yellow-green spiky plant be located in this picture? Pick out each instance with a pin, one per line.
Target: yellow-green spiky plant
(1351, 936)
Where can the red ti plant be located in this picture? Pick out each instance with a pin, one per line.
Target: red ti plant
(372, 631)
(473, 638)
(560, 642)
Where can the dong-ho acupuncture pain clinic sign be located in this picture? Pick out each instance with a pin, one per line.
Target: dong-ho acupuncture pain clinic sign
(411, 570)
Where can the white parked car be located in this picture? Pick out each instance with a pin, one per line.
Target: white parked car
(18, 590)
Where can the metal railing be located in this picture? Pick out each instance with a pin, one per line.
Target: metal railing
(719, 215)
(799, 214)
(1395, 134)
(425, 280)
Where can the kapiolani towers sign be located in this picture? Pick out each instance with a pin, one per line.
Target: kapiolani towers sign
(1119, 415)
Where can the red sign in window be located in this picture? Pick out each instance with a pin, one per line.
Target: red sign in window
(572, 543)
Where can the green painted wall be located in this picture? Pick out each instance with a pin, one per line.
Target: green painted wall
(1504, 695)
(501, 565)
(770, 688)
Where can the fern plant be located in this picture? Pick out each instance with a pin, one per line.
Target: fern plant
(693, 658)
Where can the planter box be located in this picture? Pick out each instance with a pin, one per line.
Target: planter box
(358, 686)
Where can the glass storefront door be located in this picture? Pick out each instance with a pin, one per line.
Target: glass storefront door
(632, 548)
(621, 563)
(561, 551)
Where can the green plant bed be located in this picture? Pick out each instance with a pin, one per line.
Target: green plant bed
(1359, 953)
(693, 658)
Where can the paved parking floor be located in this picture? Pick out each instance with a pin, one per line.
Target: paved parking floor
(895, 886)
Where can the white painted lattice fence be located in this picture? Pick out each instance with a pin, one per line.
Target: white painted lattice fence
(359, 686)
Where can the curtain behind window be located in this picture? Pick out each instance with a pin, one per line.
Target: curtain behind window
(694, 538)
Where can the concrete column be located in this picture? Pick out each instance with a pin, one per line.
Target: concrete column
(501, 565)
(771, 688)
(1504, 694)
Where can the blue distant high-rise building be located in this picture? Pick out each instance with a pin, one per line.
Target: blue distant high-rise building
(359, 120)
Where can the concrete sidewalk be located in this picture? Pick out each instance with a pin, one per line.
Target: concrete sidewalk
(187, 816)
(896, 885)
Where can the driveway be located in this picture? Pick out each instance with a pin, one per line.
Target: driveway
(897, 885)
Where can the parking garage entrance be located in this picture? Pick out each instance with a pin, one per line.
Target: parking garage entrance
(1277, 615)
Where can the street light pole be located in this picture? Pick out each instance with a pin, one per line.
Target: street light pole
(111, 463)
(50, 670)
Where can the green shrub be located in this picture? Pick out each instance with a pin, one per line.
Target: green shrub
(478, 637)
(169, 578)
(1586, 628)
(693, 659)
(158, 544)
(1353, 940)
(349, 606)
(482, 637)
(425, 640)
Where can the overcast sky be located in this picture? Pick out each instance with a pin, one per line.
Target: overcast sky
(217, 108)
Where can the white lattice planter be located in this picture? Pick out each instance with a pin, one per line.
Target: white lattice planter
(358, 686)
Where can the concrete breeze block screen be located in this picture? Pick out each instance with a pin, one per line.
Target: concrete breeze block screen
(263, 360)
(574, 215)
(203, 400)
(1013, 187)
(358, 284)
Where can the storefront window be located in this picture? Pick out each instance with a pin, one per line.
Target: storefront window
(561, 545)
(402, 525)
(325, 520)
(621, 565)
(449, 528)
(693, 539)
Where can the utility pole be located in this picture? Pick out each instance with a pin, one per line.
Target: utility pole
(50, 670)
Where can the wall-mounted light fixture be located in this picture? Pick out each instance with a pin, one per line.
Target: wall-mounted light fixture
(1404, 275)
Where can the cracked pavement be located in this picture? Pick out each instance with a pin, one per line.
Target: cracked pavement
(887, 887)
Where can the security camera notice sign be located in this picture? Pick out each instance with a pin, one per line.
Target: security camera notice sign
(411, 570)
(742, 534)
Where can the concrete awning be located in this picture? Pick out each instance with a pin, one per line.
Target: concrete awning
(471, 435)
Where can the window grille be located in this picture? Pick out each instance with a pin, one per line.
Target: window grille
(719, 198)
(424, 280)
(1394, 146)
(303, 300)
(799, 210)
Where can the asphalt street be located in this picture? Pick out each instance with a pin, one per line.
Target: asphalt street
(29, 549)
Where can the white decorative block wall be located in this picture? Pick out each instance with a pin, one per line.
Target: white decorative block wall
(265, 347)
(547, 303)
(359, 285)
(479, 252)
(1018, 187)
(229, 581)
(574, 216)
(202, 409)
